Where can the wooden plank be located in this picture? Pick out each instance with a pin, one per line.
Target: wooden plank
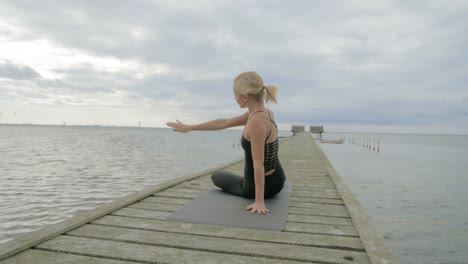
(321, 229)
(314, 219)
(315, 189)
(145, 253)
(315, 200)
(307, 168)
(47, 257)
(219, 245)
(140, 213)
(155, 206)
(331, 188)
(317, 205)
(350, 243)
(320, 212)
(314, 184)
(315, 194)
(308, 178)
(301, 181)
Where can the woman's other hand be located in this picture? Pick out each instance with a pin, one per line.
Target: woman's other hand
(257, 207)
(179, 126)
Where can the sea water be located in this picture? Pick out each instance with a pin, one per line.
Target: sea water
(50, 173)
(415, 190)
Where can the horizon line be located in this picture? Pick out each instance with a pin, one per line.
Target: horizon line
(136, 126)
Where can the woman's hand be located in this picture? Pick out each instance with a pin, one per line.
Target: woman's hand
(257, 207)
(179, 126)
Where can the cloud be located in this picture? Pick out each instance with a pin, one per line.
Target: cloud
(336, 62)
(17, 72)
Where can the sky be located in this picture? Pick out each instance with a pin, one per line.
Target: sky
(350, 65)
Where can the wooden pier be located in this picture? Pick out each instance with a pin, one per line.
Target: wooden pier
(326, 224)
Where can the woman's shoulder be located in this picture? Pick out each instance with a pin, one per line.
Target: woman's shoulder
(271, 114)
(257, 122)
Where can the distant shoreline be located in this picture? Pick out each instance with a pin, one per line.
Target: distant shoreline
(103, 126)
(327, 132)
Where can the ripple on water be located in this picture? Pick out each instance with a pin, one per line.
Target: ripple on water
(48, 174)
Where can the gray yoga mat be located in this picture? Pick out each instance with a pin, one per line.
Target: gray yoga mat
(216, 207)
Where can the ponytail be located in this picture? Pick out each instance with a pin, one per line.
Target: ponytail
(271, 91)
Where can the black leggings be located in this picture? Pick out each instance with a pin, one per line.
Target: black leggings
(239, 186)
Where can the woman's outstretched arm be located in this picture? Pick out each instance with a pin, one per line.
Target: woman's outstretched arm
(216, 124)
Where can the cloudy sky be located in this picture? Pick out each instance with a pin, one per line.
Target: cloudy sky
(389, 66)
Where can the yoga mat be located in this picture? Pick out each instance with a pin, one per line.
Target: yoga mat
(216, 207)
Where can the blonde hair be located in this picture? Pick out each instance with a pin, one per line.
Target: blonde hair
(251, 83)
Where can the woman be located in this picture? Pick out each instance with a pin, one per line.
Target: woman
(263, 174)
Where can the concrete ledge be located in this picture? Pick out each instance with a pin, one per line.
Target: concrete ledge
(374, 243)
(35, 238)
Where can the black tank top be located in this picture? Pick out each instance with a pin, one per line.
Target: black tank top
(271, 151)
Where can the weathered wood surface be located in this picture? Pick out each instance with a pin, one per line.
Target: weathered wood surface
(320, 227)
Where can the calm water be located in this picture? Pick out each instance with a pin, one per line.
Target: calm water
(415, 191)
(49, 173)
